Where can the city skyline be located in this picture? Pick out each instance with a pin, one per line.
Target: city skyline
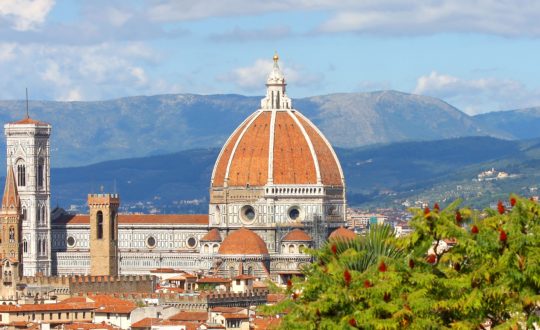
(478, 57)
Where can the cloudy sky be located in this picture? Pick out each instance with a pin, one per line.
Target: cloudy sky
(477, 55)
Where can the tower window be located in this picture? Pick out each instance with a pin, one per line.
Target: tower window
(23, 214)
(44, 247)
(11, 234)
(25, 246)
(40, 172)
(99, 228)
(113, 221)
(21, 175)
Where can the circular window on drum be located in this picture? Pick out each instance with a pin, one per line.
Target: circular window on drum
(71, 241)
(247, 213)
(191, 242)
(294, 213)
(151, 242)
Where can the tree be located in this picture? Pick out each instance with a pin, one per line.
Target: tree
(490, 277)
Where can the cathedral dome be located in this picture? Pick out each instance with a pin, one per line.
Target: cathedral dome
(243, 241)
(342, 233)
(276, 145)
(296, 235)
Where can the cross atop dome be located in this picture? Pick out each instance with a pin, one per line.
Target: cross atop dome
(276, 97)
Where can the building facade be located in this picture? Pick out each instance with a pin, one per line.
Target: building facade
(277, 187)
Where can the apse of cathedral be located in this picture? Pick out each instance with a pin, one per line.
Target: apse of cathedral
(277, 187)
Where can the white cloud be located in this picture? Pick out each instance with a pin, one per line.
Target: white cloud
(79, 72)
(242, 35)
(25, 14)
(478, 95)
(504, 18)
(251, 78)
(387, 17)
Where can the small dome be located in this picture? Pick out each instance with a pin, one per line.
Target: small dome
(296, 235)
(342, 233)
(212, 236)
(243, 241)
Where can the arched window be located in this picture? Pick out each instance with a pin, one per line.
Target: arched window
(24, 213)
(205, 250)
(25, 246)
(41, 214)
(291, 248)
(215, 248)
(39, 247)
(231, 272)
(21, 175)
(44, 247)
(250, 270)
(11, 234)
(99, 226)
(113, 221)
(40, 172)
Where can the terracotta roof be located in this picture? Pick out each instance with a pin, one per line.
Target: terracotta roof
(85, 326)
(235, 316)
(212, 236)
(29, 121)
(224, 309)
(266, 323)
(166, 270)
(213, 280)
(47, 307)
(245, 156)
(342, 233)
(117, 309)
(244, 277)
(109, 304)
(189, 316)
(147, 322)
(187, 219)
(243, 241)
(296, 235)
(10, 200)
(275, 297)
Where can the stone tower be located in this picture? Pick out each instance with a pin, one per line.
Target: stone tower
(103, 234)
(10, 244)
(28, 151)
(10, 239)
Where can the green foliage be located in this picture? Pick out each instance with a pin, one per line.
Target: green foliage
(491, 275)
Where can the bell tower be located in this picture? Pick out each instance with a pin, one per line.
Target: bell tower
(103, 234)
(28, 151)
(10, 244)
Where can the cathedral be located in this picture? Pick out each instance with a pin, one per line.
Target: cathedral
(277, 187)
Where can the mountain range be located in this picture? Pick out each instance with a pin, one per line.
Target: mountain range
(376, 175)
(90, 132)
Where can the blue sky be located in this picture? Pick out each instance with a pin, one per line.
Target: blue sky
(480, 55)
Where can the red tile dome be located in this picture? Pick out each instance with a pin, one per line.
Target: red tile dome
(276, 145)
(342, 233)
(243, 241)
(296, 235)
(212, 236)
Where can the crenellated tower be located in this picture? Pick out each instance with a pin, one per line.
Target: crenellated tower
(28, 152)
(103, 234)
